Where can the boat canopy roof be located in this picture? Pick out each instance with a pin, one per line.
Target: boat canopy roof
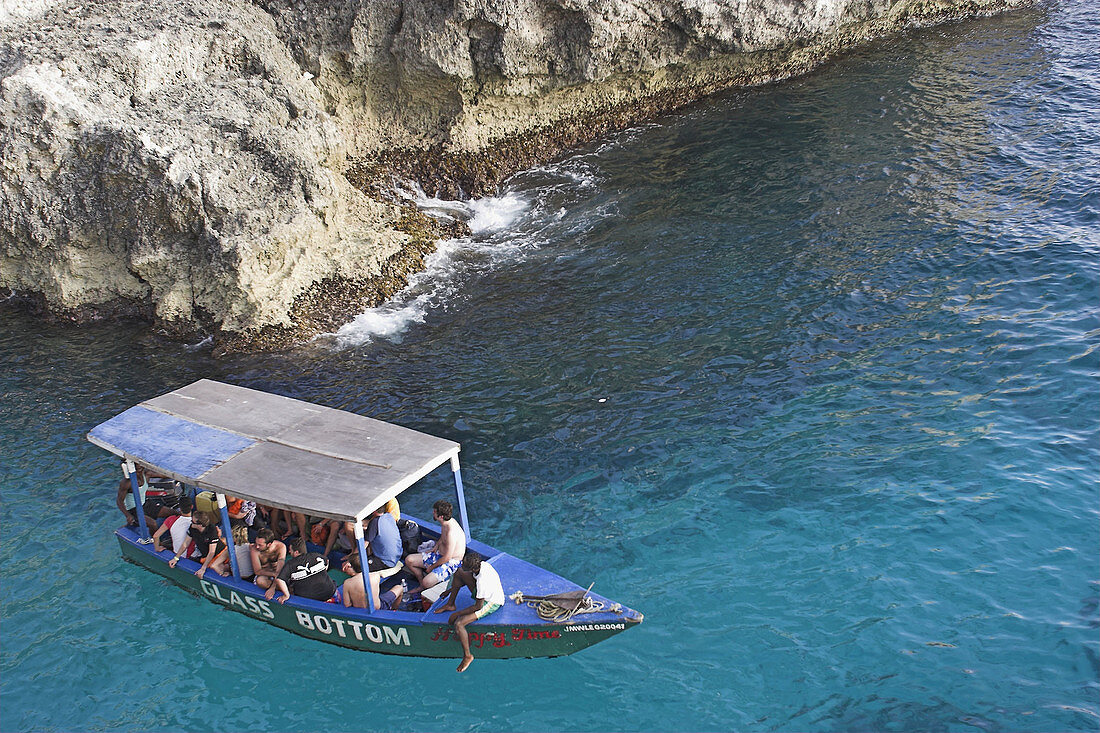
(274, 450)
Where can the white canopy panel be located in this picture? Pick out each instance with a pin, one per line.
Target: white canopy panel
(274, 450)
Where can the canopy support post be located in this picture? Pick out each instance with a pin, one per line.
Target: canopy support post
(365, 563)
(227, 530)
(130, 471)
(460, 496)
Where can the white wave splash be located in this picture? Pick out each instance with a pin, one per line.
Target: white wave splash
(435, 286)
(497, 213)
(502, 229)
(388, 321)
(483, 216)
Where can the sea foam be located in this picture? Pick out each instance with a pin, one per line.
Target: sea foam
(530, 212)
(434, 286)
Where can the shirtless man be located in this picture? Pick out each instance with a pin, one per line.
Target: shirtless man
(351, 593)
(439, 565)
(268, 556)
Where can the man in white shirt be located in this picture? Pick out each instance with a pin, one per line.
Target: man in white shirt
(487, 592)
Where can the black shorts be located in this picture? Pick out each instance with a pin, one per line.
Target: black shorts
(375, 564)
(152, 508)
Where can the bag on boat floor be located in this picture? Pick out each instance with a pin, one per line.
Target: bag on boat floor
(410, 535)
(319, 534)
(206, 501)
(165, 489)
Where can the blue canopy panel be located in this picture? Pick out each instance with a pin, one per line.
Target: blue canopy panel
(177, 446)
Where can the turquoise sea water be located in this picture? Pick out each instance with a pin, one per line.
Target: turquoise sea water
(807, 374)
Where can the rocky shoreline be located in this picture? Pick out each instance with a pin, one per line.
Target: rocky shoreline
(229, 169)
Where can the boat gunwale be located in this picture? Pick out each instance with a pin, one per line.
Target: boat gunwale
(415, 617)
(535, 638)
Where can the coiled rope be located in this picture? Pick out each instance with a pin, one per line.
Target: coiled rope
(560, 607)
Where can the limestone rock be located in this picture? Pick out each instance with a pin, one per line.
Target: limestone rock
(188, 161)
(165, 158)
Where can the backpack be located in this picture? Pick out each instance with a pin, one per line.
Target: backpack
(410, 535)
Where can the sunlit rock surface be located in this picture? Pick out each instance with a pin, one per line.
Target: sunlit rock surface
(222, 166)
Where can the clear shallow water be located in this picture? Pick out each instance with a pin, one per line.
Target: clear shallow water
(807, 374)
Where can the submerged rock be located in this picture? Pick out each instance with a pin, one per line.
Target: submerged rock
(226, 167)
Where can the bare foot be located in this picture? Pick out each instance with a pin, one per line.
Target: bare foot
(465, 664)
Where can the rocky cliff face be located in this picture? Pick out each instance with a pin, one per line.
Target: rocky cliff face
(222, 166)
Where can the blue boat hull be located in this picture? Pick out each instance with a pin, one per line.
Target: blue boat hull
(515, 630)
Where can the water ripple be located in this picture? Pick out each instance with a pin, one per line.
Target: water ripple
(808, 374)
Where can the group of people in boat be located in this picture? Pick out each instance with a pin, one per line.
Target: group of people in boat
(280, 561)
